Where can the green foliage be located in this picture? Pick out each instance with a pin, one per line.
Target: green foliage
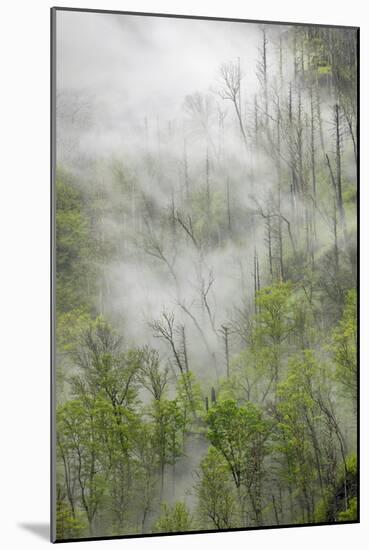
(169, 422)
(69, 328)
(298, 418)
(74, 276)
(309, 437)
(321, 510)
(106, 369)
(274, 324)
(274, 320)
(146, 462)
(189, 397)
(68, 525)
(344, 346)
(351, 465)
(81, 439)
(351, 513)
(175, 519)
(340, 503)
(209, 214)
(326, 69)
(350, 195)
(217, 503)
(239, 433)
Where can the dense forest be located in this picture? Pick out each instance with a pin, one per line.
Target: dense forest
(206, 336)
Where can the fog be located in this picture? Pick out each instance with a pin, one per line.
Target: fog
(123, 70)
(118, 73)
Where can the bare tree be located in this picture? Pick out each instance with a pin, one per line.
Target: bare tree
(230, 74)
(224, 330)
(151, 376)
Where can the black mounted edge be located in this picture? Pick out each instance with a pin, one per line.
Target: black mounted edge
(52, 273)
(202, 17)
(358, 269)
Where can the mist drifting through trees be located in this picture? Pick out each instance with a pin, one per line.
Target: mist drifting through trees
(206, 339)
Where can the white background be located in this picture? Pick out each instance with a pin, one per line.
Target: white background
(24, 271)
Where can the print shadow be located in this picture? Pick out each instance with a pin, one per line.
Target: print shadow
(42, 530)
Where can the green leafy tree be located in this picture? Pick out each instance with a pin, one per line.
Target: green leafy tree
(273, 325)
(74, 273)
(190, 401)
(168, 422)
(150, 375)
(217, 503)
(344, 347)
(240, 435)
(175, 519)
(295, 406)
(69, 525)
(80, 423)
(105, 368)
(309, 435)
(146, 470)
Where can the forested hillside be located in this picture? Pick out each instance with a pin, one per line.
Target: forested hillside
(206, 330)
